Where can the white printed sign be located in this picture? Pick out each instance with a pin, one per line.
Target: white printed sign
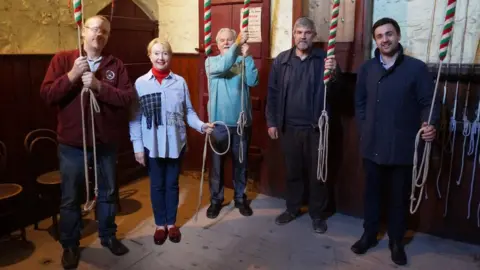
(254, 24)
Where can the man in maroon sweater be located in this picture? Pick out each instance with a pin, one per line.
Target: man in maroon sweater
(108, 80)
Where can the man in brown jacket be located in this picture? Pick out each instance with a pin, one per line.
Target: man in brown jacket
(108, 80)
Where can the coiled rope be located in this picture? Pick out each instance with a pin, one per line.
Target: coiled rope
(420, 174)
(323, 125)
(94, 108)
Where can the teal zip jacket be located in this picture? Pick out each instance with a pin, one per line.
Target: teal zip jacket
(225, 86)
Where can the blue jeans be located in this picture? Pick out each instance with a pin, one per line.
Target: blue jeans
(164, 190)
(239, 169)
(73, 179)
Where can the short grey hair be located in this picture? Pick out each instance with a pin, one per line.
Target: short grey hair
(234, 33)
(305, 22)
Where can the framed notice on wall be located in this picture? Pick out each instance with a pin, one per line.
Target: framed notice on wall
(254, 24)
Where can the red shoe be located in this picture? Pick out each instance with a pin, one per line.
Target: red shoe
(160, 236)
(174, 234)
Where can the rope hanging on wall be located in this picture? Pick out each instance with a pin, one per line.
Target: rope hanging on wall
(474, 149)
(468, 130)
(323, 125)
(475, 130)
(207, 22)
(94, 108)
(420, 174)
(453, 121)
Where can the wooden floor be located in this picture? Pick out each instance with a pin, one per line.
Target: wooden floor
(231, 241)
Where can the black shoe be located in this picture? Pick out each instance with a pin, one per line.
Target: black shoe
(70, 258)
(364, 244)
(319, 225)
(397, 252)
(213, 210)
(285, 218)
(115, 246)
(244, 208)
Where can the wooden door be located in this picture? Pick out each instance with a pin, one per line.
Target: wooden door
(226, 13)
(131, 31)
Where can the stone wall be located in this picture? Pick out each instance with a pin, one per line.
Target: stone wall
(47, 26)
(415, 20)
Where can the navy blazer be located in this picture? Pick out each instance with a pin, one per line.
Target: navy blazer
(391, 106)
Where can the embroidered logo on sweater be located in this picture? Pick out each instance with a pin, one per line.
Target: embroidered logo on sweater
(110, 75)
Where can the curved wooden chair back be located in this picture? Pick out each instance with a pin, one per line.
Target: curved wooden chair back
(42, 148)
(39, 134)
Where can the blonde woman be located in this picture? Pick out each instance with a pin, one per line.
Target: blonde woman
(158, 134)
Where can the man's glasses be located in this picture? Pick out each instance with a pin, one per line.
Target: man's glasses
(97, 30)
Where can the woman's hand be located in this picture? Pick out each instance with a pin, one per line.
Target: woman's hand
(140, 158)
(208, 128)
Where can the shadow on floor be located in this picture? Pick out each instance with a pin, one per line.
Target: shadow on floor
(14, 250)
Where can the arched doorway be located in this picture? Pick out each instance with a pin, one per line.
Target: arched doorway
(131, 31)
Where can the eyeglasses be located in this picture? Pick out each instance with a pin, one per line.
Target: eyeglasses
(97, 30)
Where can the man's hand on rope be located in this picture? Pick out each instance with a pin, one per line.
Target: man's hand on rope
(245, 50)
(429, 132)
(90, 81)
(331, 63)
(79, 67)
(242, 38)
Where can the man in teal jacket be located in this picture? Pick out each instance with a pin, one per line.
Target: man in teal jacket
(225, 104)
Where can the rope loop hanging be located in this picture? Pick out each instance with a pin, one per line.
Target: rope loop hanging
(323, 121)
(94, 108)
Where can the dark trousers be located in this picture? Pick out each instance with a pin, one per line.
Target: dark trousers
(396, 182)
(300, 148)
(164, 190)
(73, 177)
(239, 169)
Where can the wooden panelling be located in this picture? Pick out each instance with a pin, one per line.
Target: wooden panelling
(22, 110)
(186, 65)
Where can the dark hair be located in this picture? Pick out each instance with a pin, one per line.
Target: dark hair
(384, 21)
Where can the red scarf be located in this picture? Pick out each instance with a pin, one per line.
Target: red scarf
(160, 74)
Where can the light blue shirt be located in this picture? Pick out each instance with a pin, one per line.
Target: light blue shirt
(94, 64)
(387, 66)
(225, 86)
(159, 124)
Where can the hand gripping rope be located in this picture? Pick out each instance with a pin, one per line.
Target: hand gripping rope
(323, 126)
(422, 171)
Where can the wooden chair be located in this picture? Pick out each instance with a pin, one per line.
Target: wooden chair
(48, 179)
(42, 148)
(9, 192)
